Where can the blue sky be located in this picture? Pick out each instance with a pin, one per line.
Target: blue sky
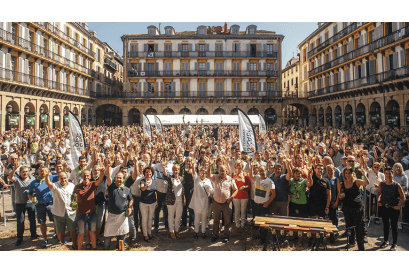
(294, 33)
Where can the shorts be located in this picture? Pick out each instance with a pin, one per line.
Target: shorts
(42, 211)
(62, 222)
(316, 210)
(86, 222)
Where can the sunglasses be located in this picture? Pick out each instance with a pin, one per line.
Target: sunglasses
(351, 160)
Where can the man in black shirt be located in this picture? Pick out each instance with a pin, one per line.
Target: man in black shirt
(320, 194)
(187, 174)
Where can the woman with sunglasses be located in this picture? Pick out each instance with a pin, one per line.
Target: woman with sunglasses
(390, 200)
(353, 207)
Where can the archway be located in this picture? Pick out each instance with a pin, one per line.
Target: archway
(321, 117)
(328, 116)
(44, 115)
(29, 116)
(185, 111)
(168, 111)
(392, 114)
(151, 111)
(348, 116)
(314, 117)
(12, 116)
(270, 116)
(219, 111)
(253, 111)
(109, 115)
(360, 114)
(134, 116)
(56, 117)
(338, 116)
(375, 114)
(202, 111)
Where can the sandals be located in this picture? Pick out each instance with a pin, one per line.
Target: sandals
(196, 236)
(204, 236)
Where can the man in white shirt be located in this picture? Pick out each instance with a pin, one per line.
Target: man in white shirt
(264, 195)
(75, 175)
(64, 215)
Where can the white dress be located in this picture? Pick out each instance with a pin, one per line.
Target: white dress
(202, 190)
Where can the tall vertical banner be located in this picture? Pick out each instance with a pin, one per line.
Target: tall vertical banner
(246, 133)
(147, 126)
(261, 125)
(158, 127)
(77, 142)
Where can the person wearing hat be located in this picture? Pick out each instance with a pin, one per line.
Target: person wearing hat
(343, 164)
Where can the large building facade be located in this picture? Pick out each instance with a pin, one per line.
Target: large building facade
(213, 70)
(48, 69)
(357, 74)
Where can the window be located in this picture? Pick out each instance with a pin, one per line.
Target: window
(326, 36)
(185, 68)
(30, 68)
(185, 89)
(168, 32)
(168, 89)
(201, 31)
(219, 89)
(152, 31)
(168, 50)
(269, 50)
(30, 36)
(219, 68)
(185, 50)
(134, 87)
(151, 87)
(335, 29)
(253, 89)
(168, 68)
(344, 24)
(251, 31)
(253, 69)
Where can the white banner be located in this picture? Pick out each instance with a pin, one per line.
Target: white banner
(146, 126)
(202, 119)
(261, 125)
(77, 143)
(246, 134)
(158, 128)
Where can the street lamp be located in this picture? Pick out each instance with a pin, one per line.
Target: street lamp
(65, 111)
(9, 108)
(41, 110)
(54, 111)
(26, 109)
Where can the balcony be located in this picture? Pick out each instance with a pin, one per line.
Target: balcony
(335, 38)
(109, 63)
(365, 49)
(204, 54)
(21, 78)
(390, 75)
(195, 94)
(203, 73)
(41, 51)
(65, 37)
(108, 80)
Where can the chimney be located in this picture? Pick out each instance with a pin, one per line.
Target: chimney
(225, 27)
(93, 33)
(159, 28)
(85, 25)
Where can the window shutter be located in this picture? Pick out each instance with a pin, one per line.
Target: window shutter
(190, 47)
(259, 86)
(161, 86)
(276, 66)
(139, 67)
(40, 71)
(259, 66)
(276, 86)
(173, 86)
(145, 86)
(363, 70)
(402, 58)
(8, 61)
(20, 65)
(144, 66)
(156, 86)
(26, 66)
(371, 67)
(207, 47)
(395, 60)
(139, 86)
(49, 74)
(248, 86)
(264, 86)
(157, 66)
(156, 47)
(247, 47)
(145, 47)
(248, 66)
(264, 47)
(196, 47)
(128, 67)
(1, 59)
(394, 26)
(8, 26)
(196, 66)
(208, 66)
(179, 47)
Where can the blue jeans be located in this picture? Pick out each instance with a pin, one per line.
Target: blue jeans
(86, 222)
(259, 210)
(161, 204)
(21, 211)
(107, 241)
(132, 229)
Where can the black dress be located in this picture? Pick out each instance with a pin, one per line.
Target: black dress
(353, 212)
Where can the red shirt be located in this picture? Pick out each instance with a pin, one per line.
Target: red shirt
(239, 182)
(85, 198)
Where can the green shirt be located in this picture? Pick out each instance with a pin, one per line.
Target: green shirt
(299, 187)
(34, 147)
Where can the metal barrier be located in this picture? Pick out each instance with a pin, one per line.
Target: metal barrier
(367, 194)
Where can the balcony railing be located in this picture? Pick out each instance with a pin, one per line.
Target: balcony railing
(379, 43)
(207, 54)
(110, 63)
(390, 75)
(108, 80)
(335, 38)
(193, 94)
(18, 77)
(65, 37)
(203, 73)
(39, 50)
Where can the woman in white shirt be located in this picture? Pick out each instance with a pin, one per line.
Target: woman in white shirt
(174, 199)
(374, 177)
(203, 189)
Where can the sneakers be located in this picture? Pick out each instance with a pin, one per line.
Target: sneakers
(44, 244)
(35, 237)
(384, 244)
(399, 225)
(394, 247)
(214, 239)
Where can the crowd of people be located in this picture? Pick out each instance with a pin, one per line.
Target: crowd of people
(194, 173)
